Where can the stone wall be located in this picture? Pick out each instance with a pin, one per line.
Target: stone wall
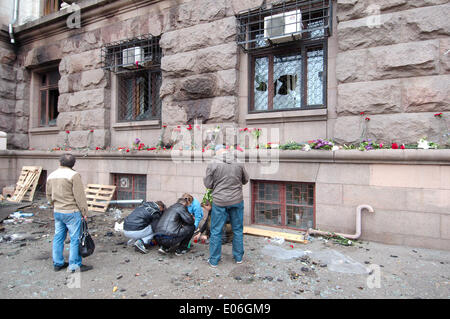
(409, 190)
(200, 64)
(14, 93)
(393, 65)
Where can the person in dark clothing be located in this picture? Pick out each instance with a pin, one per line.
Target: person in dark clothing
(175, 228)
(139, 225)
(203, 231)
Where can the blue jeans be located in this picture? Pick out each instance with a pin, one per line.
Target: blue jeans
(67, 222)
(219, 216)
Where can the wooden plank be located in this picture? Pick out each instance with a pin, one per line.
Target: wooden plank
(273, 234)
(98, 196)
(26, 184)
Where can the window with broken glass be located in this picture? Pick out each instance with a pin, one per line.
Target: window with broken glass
(287, 50)
(48, 97)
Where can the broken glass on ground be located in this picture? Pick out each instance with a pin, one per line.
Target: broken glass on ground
(334, 260)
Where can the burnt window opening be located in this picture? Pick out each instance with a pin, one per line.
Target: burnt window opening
(51, 6)
(283, 204)
(48, 97)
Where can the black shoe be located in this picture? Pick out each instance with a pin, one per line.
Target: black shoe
(58, 268)
(83, 268)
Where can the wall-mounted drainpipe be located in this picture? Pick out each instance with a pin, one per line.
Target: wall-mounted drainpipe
(358, 225)
(14, 20)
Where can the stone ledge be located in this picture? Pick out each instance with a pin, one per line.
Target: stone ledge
(287, 116)
(136, 125)
(44, 130)
(408, 156)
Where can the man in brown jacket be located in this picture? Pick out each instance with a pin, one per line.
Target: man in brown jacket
(65, 192)
(225, 177)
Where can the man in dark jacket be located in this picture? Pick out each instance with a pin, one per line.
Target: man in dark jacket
(225, 177)
(140, 223)
(175, 228)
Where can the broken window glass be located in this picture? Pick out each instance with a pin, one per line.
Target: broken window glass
(287, 79)
(261, 93)
(315, 76)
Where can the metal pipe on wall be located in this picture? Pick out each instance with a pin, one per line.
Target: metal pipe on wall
(358, 225)
(15, 13)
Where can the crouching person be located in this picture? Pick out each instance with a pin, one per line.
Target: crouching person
(140, 223)
(175, 228)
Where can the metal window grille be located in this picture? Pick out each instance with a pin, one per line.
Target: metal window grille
(132, 54)
(137, 62)
(284, 22)
(139, 95)
(130, 186)
(283, 204)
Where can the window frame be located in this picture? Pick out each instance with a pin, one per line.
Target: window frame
(51, 6)
(116, 178)
(47, 88)
(282, 202)
(289, 48)
(152, 95)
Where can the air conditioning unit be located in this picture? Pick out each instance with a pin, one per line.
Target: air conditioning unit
(132, 56)
(283, 27)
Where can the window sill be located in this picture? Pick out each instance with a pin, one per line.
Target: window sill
(44, 130)
(287, 116)
(136, 125)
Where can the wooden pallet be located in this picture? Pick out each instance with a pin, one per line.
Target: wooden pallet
(98, 196)
(27, 183)
(273, 234)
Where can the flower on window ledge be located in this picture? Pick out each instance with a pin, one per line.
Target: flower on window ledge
(438, 115)
(367, 118)
(361, 113)
(402, 146)
(92, 131)
(394, 146)
(67, 132)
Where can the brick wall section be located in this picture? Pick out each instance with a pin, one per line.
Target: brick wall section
(397, 71)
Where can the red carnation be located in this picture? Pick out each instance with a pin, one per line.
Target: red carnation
(438, 115)
(92, 131)
(97, 148)
(361, 113)
(67, 132)
(394, 146)
(367, 118)
(402, 146)
(128, 150)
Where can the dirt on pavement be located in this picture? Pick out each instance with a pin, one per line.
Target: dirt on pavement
(319, 269)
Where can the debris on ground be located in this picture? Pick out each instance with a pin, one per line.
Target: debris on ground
(322, 268)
